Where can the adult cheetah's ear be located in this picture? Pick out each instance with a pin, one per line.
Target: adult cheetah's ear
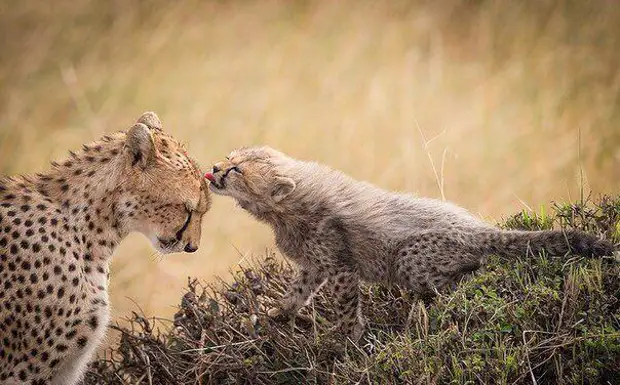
(140, 145)
(151, 120)
(282, 188)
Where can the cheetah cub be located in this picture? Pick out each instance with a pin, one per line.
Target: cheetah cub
(58, 231)
(340, 231)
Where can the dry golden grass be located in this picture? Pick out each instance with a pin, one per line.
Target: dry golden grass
(486, 99)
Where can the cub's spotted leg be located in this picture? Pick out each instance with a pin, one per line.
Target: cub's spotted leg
(307, 283)
(345, 286)
(431, 261)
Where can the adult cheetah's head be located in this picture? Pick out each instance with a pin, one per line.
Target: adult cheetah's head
(254, 177)
(163, 195)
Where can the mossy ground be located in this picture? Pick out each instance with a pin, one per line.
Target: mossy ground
(532, 319)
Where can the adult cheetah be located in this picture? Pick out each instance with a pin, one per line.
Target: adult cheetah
(58, 231)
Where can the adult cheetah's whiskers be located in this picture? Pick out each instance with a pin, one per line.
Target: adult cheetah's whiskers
(156, 256)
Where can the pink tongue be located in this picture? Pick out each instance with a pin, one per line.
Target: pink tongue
(210, 177)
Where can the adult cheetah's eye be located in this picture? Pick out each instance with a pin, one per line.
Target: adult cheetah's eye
(235, 169)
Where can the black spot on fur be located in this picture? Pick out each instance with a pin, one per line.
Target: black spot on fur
(82, 341)
(93, 322)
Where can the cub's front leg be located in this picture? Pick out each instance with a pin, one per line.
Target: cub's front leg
(305, 285)
(344, 286)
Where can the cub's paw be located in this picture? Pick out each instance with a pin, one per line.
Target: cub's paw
(280, 314)
(354, 330)
(276, 312)
(294, 318)
(358, 331)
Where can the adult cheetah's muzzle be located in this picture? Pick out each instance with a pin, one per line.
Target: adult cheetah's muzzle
(167, 243)
(190, 249)
(171, 244)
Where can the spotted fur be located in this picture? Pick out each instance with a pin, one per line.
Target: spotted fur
(340, 231)
(58, 231)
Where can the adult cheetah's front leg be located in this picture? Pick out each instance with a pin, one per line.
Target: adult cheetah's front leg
(75, 367)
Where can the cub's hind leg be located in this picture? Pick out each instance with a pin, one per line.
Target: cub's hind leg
(431, 261)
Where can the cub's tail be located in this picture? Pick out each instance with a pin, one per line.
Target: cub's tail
(553, 242)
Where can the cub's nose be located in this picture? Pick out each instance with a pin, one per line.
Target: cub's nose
(190, 249)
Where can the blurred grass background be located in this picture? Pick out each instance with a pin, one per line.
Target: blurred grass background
(497, 105)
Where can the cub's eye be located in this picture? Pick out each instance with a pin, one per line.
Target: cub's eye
(231, 169)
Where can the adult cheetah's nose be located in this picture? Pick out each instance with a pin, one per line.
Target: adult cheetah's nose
(190, 249)
(216, 169)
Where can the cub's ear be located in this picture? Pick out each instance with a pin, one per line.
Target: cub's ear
(151, 120)
(140, 145)
(282, 188)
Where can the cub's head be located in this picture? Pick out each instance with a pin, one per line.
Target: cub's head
(162, 194)
(254, 178)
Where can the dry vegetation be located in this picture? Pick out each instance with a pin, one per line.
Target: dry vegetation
(526, 320)
(503, 88)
